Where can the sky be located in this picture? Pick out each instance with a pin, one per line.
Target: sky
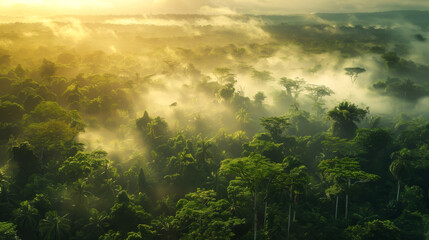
(87, 7)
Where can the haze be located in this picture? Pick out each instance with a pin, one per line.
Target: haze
(59, 7)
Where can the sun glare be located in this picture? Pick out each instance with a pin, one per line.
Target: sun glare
(21, 2)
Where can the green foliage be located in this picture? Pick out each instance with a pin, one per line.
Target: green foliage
(86, 165)
(26, 218)
(345, 116)
(339, 171)
(10, 112)
(54, 227)
(201, 216)
(275, 126)
(47, 69)
(7, 231)
(211, 172)
(410, 225)
(375, 230)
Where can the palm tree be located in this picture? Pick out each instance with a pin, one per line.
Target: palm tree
(97, 223)
(26, 220)
(54, 227)
(344, 116)
(398, 168)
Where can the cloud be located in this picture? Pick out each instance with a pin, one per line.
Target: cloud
(69, 28)
(55, 7)
(208, 10)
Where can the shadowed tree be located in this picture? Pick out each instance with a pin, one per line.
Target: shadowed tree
(97, 223)
(142, 181)
(399, 167)
(19, 71)
(259, 98)
(317, 93)
(224, 76)
(345, 116)
(47, 69)
(293, 86)
(375, 230)
(54, 227)
(26, 219)
(295, 180)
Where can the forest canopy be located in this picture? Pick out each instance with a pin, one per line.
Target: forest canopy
(215, 126)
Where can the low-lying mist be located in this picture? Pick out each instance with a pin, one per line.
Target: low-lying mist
(205, 73)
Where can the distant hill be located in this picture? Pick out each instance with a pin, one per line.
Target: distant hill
(418, 18)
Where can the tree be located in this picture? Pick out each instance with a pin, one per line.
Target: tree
(47, 69)
(49, 137)
(54, 227)
(316, 93)
(293, 86)
(226, 92)
(295, 180)
(275, 126)
(26, 162)
(243, 117)
(224, 76)
(353, 72)
(374, 230)
(399, 167)
(19, 71)
(259, 98)
(255, 171)
(201, 216)
(262, 76)
(26, 218)
(7, 231)
(126, 216)
(342, 173)
(345, 116)
(142, 181)
(10, 112)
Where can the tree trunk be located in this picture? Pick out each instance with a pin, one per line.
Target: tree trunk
(288, 220)
(347, 200)
(336, 208)
(266, 204)
(399, 189)
(294, 208)
(290, 214)
(255, 217)
(265, 213)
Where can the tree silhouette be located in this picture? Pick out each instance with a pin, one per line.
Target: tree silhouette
(399, 168)
(345, 116)
(54, 227)
(354, 72)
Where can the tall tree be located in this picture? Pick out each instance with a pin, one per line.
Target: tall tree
(255, 171)
(399, 167)
(342, 172)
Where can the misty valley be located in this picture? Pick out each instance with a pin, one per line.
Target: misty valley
(237, 126)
